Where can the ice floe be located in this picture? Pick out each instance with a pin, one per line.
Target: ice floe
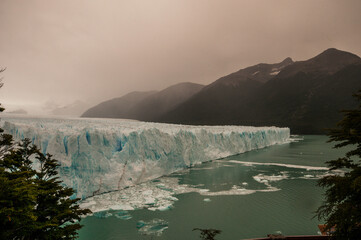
(154, 227)
(279, 165)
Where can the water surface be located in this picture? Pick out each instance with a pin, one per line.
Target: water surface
(242, 199)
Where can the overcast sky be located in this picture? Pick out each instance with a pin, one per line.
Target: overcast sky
(94, 50)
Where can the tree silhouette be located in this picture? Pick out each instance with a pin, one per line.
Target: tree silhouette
(33, 202)
(342, 206)
(208, 234)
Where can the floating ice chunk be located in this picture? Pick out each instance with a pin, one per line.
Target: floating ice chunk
(272, 178)
(203, 190)
(146, 195)
(122, 215)
(162, 208)
(149, 200)
(102, 214)
(318, 176)
(153, 227)
(172, 198)
(278, 164)
(116, 206)
(125, 217)
(233, 191)
(309, 176)
(261, 178)
(88, 204)
(147, 192)
(296, 138)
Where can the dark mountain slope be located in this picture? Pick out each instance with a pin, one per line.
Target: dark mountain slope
(305, 96)
(122, 107)
(217, 102)
(214, 105)
(150, 108)
(261, 72)
(306, 103)
(326, 63)
(146, 106)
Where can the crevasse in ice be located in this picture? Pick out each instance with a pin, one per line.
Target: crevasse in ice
(102, 155)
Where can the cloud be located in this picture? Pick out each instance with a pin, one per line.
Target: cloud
(95, 50)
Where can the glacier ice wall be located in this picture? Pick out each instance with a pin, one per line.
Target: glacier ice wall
(102, 155)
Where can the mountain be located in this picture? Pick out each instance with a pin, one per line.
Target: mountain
(74, 109)
(122, 107)
(145, 106)
(261, 72)
(328, 62)
(18, 111)
(161, 102)
(306, 102)
(217, 102)
(305, 96)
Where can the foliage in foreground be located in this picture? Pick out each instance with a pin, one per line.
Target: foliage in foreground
(33, 202)
(342, 206)
(208, 234)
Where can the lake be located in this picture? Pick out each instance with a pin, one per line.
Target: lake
(248, 195)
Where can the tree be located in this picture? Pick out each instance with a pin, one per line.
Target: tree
(342, 206)
(33, 202)
(1, 84)
(17, 195)
(208, 234)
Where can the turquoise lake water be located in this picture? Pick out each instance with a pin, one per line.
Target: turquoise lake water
(248, 195)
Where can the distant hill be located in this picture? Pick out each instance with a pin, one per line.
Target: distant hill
(261, 72)
(161, 102)
(145, 106)
(326, 63)
(122, 107)
(219, 101)
(18, 111)
(74, 109)
(306, 96)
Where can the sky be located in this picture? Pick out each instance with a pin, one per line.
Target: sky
(57, 52)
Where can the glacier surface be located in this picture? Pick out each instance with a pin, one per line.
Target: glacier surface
(103, 155)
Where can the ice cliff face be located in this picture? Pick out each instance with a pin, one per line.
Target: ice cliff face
(102, 155)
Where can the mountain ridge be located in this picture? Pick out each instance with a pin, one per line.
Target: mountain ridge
(144, 105)
(121, 107)
(303, 95)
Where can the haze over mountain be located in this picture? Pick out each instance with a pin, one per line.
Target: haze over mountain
(145, 106)
(17, 111)
(161, 102)
(122, 107)
(304, 95)
(74, 109)
(93, 52)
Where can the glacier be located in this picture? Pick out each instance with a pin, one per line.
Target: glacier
(104, 155)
